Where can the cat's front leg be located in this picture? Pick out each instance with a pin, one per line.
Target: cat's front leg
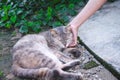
(70, 64)
(62, 57)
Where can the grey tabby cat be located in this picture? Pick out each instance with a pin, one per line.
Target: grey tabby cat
(39, 56)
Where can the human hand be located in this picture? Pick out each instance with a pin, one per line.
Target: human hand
(74, 31)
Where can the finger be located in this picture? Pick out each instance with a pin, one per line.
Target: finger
(71, 45)
(74, 36)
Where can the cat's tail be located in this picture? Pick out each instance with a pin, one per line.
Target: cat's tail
(30, 73)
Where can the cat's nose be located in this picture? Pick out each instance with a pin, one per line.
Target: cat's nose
(76, 53)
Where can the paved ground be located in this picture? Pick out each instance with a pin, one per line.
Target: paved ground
(102, 33)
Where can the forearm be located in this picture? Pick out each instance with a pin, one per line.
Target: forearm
(91, 7)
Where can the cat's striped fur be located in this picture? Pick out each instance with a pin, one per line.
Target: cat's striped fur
(39, 56)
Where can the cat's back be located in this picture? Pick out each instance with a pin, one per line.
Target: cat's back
(30, 39)
(32, 51)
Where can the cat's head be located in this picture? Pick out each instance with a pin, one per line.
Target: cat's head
(61, 35)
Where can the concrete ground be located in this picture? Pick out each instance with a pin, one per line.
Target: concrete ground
(101, 33)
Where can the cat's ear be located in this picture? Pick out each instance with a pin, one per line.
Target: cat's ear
(53, 32)
(67, 29)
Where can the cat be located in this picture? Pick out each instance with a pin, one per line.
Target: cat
(39, 56)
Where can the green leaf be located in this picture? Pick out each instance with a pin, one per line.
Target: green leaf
(30, 23)
(71, 6)
(13, 18)
(24, 15)
(17, 24)
(5, 17)
(8, 25)
(23, 29)
(36, 29)
(65, 18)
(57, 23)
(2, 13)
(2, 24)
(11, 12)
(49, 13)
(19, 11)
(5, 8)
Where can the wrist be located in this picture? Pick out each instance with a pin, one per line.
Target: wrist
(72, 26)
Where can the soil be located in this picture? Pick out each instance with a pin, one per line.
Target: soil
(5, 53)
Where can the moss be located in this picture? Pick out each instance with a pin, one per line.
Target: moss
(1, 73)
(90, 65)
